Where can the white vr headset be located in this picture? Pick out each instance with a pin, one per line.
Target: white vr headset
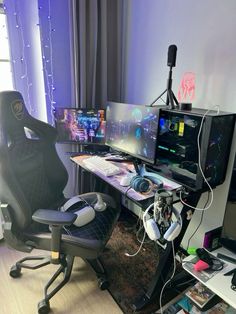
(87, 213)
(153, 231)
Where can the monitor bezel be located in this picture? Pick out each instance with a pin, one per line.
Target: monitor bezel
(79, 142)
(136, 156)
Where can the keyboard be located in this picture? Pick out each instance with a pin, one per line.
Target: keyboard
(99, 164)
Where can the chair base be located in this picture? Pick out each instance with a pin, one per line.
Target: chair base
(66, 265)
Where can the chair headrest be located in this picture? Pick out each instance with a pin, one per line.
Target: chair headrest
(13, 113)
(14, 118)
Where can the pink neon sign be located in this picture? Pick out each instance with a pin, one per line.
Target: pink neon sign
(186, 91)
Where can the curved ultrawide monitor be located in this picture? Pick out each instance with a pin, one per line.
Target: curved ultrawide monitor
(132, 129)
(82, 126)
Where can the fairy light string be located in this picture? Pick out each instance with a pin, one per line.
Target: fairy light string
(47, 56)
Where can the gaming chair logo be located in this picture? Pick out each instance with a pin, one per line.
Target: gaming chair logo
(18, 109)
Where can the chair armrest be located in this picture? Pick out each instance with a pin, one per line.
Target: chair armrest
(56, 220)
(53, 217)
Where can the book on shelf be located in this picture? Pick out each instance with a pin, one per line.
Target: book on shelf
(200, 294)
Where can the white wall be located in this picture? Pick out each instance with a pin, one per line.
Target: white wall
(204, 33)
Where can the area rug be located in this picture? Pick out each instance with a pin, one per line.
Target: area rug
(129, 276)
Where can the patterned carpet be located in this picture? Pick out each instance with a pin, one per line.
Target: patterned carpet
(129, 276)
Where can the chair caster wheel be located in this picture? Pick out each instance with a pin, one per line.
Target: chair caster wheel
(103, 283)
(43, 307)
(15, 271)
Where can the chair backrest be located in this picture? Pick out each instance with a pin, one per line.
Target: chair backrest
(31, 174)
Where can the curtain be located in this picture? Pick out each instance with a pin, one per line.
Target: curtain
(100, 41)
(26, 56)
(99, 64)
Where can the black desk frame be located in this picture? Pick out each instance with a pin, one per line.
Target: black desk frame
(166, 260)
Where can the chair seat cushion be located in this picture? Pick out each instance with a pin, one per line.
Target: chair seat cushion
(87, 241)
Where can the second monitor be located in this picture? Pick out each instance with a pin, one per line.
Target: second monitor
(81, 126)
(132, 129)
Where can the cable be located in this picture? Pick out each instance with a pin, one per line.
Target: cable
(139, 226)
(169, 280)
(67, 231)
(200, 222)
(144, 234)
(185, 283)
(136, 253)
(200, 166)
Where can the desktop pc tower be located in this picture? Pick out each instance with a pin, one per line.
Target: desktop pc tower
(187, 138)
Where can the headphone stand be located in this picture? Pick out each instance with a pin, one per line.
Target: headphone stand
(166, 260)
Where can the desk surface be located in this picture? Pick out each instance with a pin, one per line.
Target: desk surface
(114, 181)
(218, 283)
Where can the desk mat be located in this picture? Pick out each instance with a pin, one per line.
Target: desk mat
(114, 181)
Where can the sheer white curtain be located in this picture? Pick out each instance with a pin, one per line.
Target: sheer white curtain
(26, 56)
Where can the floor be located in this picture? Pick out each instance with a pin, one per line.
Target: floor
(80, 295)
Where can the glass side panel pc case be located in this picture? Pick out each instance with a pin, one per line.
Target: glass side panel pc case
(178, 152)
(82, 126)
(132, 129)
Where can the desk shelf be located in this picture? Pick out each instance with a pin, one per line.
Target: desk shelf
(218, 283)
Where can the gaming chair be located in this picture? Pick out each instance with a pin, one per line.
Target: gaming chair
(32, 179)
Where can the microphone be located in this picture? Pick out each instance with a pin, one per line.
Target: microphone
(171, 60)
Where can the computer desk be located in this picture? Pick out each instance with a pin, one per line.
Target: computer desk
(166, 260)
(114, 181)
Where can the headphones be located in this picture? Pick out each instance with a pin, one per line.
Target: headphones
(141, 185)
(162, 226)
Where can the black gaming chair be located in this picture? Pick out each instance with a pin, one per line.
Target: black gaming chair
(32, 179)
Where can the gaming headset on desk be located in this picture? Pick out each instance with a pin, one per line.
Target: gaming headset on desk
(144, 185)
(162, 226)
(141, 185)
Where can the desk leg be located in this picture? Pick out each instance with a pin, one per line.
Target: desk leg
(166, 260)
(156, 284)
